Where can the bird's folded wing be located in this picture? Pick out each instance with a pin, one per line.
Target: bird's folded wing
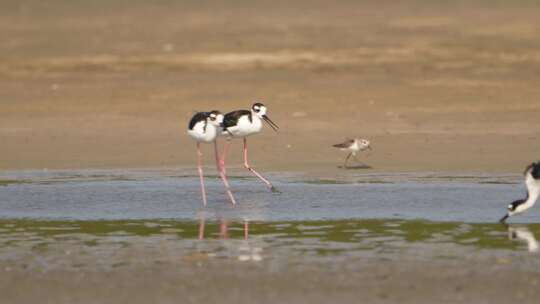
(344, 144)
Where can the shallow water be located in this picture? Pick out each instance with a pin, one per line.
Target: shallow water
(130, 195)
(111, 219)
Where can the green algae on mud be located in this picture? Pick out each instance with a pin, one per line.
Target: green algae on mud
(369, 233)
(7, 182)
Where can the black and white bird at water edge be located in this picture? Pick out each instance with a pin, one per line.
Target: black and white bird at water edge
(532, 181)
(353, 146)
(204, 127)
(244, 123)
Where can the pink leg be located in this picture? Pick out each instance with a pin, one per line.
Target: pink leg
(199, 165)
(221, 170)
(225, 151)
(246, 165)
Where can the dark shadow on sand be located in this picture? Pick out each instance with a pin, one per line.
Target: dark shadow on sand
(356, 167)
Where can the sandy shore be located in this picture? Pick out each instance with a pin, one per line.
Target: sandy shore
(436, 87)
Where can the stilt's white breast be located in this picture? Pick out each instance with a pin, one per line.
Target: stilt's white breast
(244, 127)
(200, 133)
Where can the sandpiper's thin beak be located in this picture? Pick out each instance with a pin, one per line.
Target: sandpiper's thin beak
(369, 148)
(270, 123)
(503, 219)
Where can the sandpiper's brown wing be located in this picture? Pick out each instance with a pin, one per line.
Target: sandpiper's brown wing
(347, 143)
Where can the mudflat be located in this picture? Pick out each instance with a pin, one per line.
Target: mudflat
(192, 282)
(436, 86)
(380, 261)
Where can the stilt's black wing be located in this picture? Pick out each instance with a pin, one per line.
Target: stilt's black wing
(344, 144)
(535, 170)
(200, 116)
(231, 118)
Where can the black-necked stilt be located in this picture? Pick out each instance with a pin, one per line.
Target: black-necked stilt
(205, 127)
(353, 146)
(532, 180)
(243, 123)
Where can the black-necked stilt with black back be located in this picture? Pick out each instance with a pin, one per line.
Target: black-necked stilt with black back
(353, 146)
(243, 123)
(205, 127)
(532, 181)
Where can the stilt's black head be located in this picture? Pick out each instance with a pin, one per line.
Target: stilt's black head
(260, 110)
(215, 117)
(516, 206)
(257, 106)
(513, 205)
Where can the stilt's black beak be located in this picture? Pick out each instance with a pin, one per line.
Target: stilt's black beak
(270, 123)
(503, 219)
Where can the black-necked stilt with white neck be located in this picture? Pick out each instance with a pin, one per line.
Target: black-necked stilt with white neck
(205, 127)
(353, 146)
(241, 124)
(532, 181)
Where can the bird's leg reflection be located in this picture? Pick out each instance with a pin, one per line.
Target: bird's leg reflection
(223, 228)
(246, 230)
(245, 250)
(524, 234)
(201, 228)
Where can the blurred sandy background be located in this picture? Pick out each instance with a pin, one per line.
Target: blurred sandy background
(436, 86)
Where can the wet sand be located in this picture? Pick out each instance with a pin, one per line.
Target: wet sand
(435, 86)
(297, 262)
(382, 282)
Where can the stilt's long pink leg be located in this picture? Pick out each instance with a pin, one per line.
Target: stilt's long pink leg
(225, 151)
(221, 170)
(247, 166)
(199, 165)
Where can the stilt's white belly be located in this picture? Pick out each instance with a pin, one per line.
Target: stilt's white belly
(244, 127)
(200, 134)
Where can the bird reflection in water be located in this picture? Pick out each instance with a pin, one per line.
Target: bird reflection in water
(245, 251)
(223, 228)
(522, 233)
